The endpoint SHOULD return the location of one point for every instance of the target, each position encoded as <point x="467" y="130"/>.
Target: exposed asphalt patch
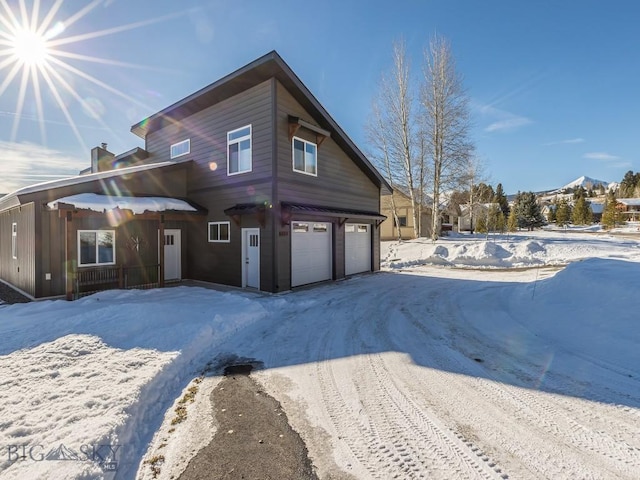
<point x="254" y="440"/>
<point x="10" y="295"/>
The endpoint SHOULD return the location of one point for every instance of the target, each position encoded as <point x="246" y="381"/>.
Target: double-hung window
<point x="219" y="232"/>
<point x="96" y="247"/>
<point x="239" y="150"/>
<point x="14" y="240"/>
<point x="305" y="157"/>
<point x="181" y="148"/>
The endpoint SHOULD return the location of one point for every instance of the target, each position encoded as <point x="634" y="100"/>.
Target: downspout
<point x="275" y="201"/>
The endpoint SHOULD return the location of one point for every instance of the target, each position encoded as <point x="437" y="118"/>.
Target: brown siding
<point x="51" y="249"/>
<point x="20" y="271"/>
<point x="207" y="131"/>
<point x="211" y="187"/>
<point x="221" y="262"/>
<point x="340" y="183"/>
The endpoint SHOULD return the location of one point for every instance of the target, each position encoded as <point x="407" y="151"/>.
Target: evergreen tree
<point x="501" y="223"/>
<point x="501" y="199"/>
<point x="579" y="216"/>
<point x="610" y="214"/>
<point x="493" y="217"/>
<point x="512" y="221"/>
<point x="483" y="193"/>
<point x="481" y="224"/>
<point x="563" y="213"/>
<point x="528" y="211"/>
<point x="628" y="185"/>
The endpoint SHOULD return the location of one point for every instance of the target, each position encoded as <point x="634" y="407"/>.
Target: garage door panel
<point x="357" y="248"/>
<point x="310" y="252"/>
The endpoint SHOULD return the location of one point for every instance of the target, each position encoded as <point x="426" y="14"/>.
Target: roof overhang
<point x="294" y="209"/>
<point x="257" y="209"/>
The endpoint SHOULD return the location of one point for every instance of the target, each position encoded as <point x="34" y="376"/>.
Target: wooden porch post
<point x="161" y="250"/>
<point x="68" y="254"/>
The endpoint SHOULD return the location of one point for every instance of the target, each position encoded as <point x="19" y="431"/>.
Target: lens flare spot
<point x="213" y="166"/>
<point x="93" y="108"/>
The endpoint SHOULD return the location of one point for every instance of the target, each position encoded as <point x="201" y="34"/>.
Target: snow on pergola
<point x="137" y="205"/>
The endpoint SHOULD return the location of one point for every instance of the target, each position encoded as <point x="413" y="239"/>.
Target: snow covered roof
<point x="629" y="201"/>
<point x="138" y="205"/>
<point x="10" y="199"/>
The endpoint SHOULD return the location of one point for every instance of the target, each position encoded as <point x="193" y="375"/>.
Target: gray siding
<point x="20" y="271"/>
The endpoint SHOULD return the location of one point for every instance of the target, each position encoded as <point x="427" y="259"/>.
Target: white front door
<point x="172" y="255"/>
<point x="251" y="257"/>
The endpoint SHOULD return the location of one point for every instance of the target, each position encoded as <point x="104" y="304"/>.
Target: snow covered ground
<point x="450" y="363"/>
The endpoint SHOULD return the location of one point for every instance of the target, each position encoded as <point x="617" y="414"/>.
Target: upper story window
<point x="239" y="150"/>
<point x="14" y="240"/>
<point x="96" y="247"/>
<point x="181" y="148"/>
<point x="305" y="157"/>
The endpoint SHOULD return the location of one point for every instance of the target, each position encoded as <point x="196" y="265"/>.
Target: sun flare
<point x="38" y="58"/>
<point x="30" y="47"/>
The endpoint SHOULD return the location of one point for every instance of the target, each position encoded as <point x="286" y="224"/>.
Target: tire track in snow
<point x="393" y="437"/>
<point x="575" y="441"/>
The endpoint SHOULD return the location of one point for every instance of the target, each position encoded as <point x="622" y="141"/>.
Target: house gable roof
<point x="268" y="66"/>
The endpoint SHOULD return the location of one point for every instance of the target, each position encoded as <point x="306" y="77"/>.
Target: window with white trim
<point x="96" y="247"/>
<point x="219" y="232"/>
<point x="305" y="157"/>
<point x="239" y="150"/>
<point x="181" y="148"/>
<point x="14" y="240"/>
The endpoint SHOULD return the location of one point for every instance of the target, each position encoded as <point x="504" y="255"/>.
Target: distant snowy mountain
<point x="585" y="182"/>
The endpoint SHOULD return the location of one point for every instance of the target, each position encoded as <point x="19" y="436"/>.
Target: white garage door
<point x="357" y="248"/>
<point x="310" y="252"/>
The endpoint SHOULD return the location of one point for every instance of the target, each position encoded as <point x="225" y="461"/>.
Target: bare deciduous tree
<point x="377" y="134"/>
<point x="446" y="120"/>
<point x="392" y="132"/>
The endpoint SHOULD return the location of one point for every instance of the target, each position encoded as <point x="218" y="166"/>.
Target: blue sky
<point x="553" y="85"/>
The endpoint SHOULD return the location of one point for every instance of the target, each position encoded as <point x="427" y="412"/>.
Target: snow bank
<point x="102" y="371"/>
<point x="531" y="249"/>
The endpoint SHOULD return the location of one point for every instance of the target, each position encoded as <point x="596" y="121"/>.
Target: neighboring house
<point x="630" y="208"/>
<point x="247" y="182"/>
<point x="389" y="230"/>
<point x="479" y="210"/>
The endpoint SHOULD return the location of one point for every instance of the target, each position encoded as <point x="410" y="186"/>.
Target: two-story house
<point x="247" y="182"/>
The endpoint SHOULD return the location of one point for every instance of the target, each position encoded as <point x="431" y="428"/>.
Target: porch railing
<point x="95" y="279"/>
